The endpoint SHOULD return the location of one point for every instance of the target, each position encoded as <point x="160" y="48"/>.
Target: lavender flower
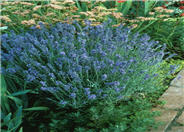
<point x="11" y="70"/>
<point x="87" y="91"/>
<point x="117" y="89"/>
<point x="104" y="77"/>
<point x="30" y="78"/>
<point x="50" y="89"/>
<point x="116" y="83"/>
<point x="62" y="53"/>
<point x="58" y="83"/>
<point x="63" y="102"/>
<point x="52" y="76"/>
<point x="43" y="83"/>
<point x="147" y="76"/>
<point x="73" y="95"/>
<point x="92" y="97"/>
<point x="172" y="68"/>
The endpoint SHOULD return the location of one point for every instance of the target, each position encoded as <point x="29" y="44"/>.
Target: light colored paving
<point x="166" y="116"/>
<point x="174" y="98"/>
<point x="178" y="124"/>
<point x="177" y="129"/>
<point x="179" y="80"/>
<point x="181" y="119"/>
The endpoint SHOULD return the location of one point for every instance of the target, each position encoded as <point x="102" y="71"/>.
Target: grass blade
<point x="127" y="6"/>
<point x="15" y="99"/>
<point x="36" y="108"/>
<point x="4" y="99"/>
<point x="20" y="93"/>
<point x="78" y="5"/>
<point x="148" y="4"/>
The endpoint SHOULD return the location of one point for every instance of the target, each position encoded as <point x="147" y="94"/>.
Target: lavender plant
<point x="76" y="67"/>
<point x="79" y="66"/>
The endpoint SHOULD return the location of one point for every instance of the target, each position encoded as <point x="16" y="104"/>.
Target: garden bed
<point x="100" y="69"/>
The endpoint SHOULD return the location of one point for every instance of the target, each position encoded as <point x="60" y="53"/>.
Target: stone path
<point x="172" y="113"/>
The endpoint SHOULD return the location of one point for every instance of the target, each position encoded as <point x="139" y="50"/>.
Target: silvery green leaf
<point x="4" y="28"/>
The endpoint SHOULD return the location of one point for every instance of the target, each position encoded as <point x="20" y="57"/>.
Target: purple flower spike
<point x="147" y="76"/>
<point x="73" y="95"/>
<point x="104" y="77"/>
<point x="63" y="102"/>
<point x="62" y="53"/>
<point x="92" y="97"/>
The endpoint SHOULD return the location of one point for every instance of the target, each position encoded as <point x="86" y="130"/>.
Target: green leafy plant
<point x="12" y="123"/>
<point x="14" y="105"/>
<point x="107" y="116"/>
<point x="132" y="9"/>
<point x="11" y="120"/>
<point x="168" y="31"/>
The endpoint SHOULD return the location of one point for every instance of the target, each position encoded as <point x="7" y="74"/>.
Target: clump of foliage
<point x="168" y="31"/>
<point x="86" y="76"/>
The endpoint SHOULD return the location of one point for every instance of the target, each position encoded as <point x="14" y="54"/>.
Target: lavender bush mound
<point x="79" y="65"/>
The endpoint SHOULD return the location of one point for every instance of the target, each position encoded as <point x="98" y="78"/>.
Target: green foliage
<point x="4" y="98"/>
<point x="36" y="108"/>
<point x="135" y="8"/>
<point x="11" y="123"/>
<point x="132" y="116"/>
<point x="174" y="5"/>
<point x="126" y="7"/>
<point x="148" y="5"/>
<point x="113" y="110"/>
<point x="170" y="32"/>
<point x="165" y="80"/>
<point x="11" y="120"/>
<point x="14" y="104"/>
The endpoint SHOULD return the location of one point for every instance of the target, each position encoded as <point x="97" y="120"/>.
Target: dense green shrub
<point x="91" y="78"/>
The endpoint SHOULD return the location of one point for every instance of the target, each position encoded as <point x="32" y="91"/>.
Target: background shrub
<point x="168" y="31"/>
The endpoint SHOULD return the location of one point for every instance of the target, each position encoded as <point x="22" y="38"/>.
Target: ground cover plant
<point x="84" y="76"/>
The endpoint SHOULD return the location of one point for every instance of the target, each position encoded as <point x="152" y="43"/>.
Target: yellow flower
<point x="161" y="16"/>
<point x="36" y="16"/>
<point x="29" y="22"/>
<point x="5" y="18"/>
<point x="57" y="7"/>
<point x="95" y="23"/>
<point x="26" y="3"/>
<point x="92" y="19"/>
<point x="36" y="8"/>
<point x="50" y="14"/>
<point x="116" y="25"/>
<point x="76" y="16"/>
<point x="168" y="10"/>
<point x="117" y="14"/>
